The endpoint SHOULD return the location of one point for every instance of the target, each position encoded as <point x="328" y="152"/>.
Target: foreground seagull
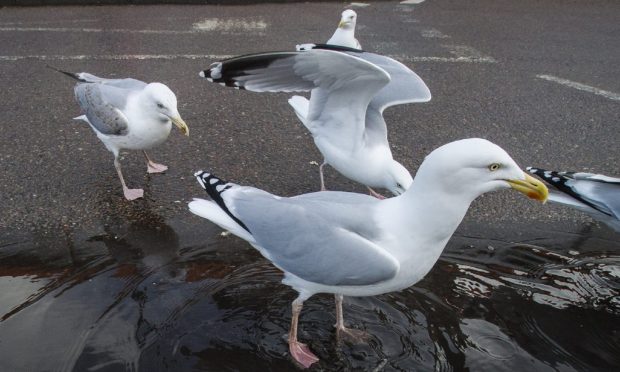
<point x="595" y="194"/>
<point x="127" y="114"/>
<point x="350" y="90"/>
<point x="353" y="244"/>
<point x="345" y="33"/>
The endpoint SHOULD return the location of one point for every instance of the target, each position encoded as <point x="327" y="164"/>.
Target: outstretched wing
<point x="342" y="85"/>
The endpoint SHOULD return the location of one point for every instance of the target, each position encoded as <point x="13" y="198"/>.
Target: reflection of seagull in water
<point x="356" y="245"/>
<point x="127" y="114"/>
<point x="596" y="194"/>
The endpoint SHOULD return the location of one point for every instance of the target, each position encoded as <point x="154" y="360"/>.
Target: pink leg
<point x="321" y="175"/>
<point x="353" y="335"/>
<point x="153" y="167"/>
<point x="375" y="194"/>
<point x="130" y="194"/>
<point x="299" y="351"/>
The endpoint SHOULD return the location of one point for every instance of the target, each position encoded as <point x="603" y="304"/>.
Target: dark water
<point x="138" y="297"/>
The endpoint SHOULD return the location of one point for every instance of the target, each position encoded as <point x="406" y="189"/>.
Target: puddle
<point x="146" y="295"/>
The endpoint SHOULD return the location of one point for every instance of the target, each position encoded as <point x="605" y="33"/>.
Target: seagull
<point x="345" y="33"/>
<point x="595" y="194"/>
<point x="350" y="89"/>
<point x="127" y="114"/>
<point x="353" y="244"/>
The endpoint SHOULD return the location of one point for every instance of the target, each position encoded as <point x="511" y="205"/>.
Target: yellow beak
<point x="531" y="187"/>
<point x="342" y="24"/>
<point x="181" y="125"/>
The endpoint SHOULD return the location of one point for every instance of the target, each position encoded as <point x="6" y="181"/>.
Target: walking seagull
<point x="353" y="244"/>
<point x="127" y="114"/>
<point x="350" y="89"/>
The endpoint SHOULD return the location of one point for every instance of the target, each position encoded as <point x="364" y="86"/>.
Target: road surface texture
<point x="538" y="78"/>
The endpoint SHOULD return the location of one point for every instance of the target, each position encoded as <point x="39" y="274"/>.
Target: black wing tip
<point x="70" y="74"/>
<point x="333" y="47"/>
<point x="215" y="186"/>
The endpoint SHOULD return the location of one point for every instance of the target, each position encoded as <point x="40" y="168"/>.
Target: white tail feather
<point x="301" y="106"/>
<point x="212" y="212"/>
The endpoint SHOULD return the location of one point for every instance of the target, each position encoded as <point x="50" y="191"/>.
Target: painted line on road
<point x="53" y="57"/>
<point x="583" y="87"/>
<point x="227" y="25"/>
<point x="200" y="27"/>
<point x="117" y="57"/>
<point x="446" y="59"/>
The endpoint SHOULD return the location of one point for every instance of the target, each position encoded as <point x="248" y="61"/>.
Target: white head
<point x="162" y="101"/>
<point x="348" y="19"/>
<point x="397" y="178"/>
<point x="471" y="167"/>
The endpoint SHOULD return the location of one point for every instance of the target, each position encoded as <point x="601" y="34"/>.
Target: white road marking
<point x="407" y="2"/>
<point x="467" y="52"/>
<point x="117" y="57"/>
<point x="483" y="59"/>
<point x="359" y="5"/>
<point x="112" y="30"/>
<point x="208" y="25"/>
<point x="228" y="25"/>
<point x="56" y="57"/>
<point x="583" y="87"/>
<point x="433" y="33"/>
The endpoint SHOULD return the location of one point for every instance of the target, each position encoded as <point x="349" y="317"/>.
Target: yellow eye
<point x="493" y="167"/>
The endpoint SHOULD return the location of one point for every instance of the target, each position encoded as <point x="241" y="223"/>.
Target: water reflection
<point x="131" y="297"/>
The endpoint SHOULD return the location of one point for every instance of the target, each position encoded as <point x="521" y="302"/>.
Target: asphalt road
<point x="484" y="61"/>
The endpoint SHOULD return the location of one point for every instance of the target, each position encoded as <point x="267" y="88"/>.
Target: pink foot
<point x="302" y="354"/>
<point x="155" y="168"/>
<point x="132" y="194"/>
<point x="376" y="194"/>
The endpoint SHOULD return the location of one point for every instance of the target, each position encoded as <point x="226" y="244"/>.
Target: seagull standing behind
<point x="345" y="33"/>
<point x="595" y="194"/>
<point x="353" y="244"/>
<point x="127" y="114"/>
<point x="349" y="91"/>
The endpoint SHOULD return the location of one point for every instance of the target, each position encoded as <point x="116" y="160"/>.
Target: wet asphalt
<point x="480" y="60"/>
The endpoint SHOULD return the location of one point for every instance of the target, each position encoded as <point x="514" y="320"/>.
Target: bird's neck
<point x="343" y="36"/>
<point x="423" y="219"/>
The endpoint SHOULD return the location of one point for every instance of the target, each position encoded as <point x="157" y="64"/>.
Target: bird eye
<point x="399" y="186"/>
<point x="160" y="105"/>
<point x="493" y="167"/>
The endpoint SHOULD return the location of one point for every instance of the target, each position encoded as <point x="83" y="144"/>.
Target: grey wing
<point x="317" y="240"/>
<point x="126" y="83"/>
<point x="404" y="87"/>
<point x="605" y="196"/>
<point x="102" y="106"/>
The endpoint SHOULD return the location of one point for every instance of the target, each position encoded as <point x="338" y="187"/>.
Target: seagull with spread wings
<point x="350" y="89"/>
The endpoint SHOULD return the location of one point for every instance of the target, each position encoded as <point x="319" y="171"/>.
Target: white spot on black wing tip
<point x="213" y="180"/>
<point x="201" y="74"/>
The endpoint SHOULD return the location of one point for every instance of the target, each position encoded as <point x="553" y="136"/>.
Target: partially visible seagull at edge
<point x="350" y="89"/>
<point x="127" y="114"/>
<point x="595" y="194"/>
<point x="353" y="244"/>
